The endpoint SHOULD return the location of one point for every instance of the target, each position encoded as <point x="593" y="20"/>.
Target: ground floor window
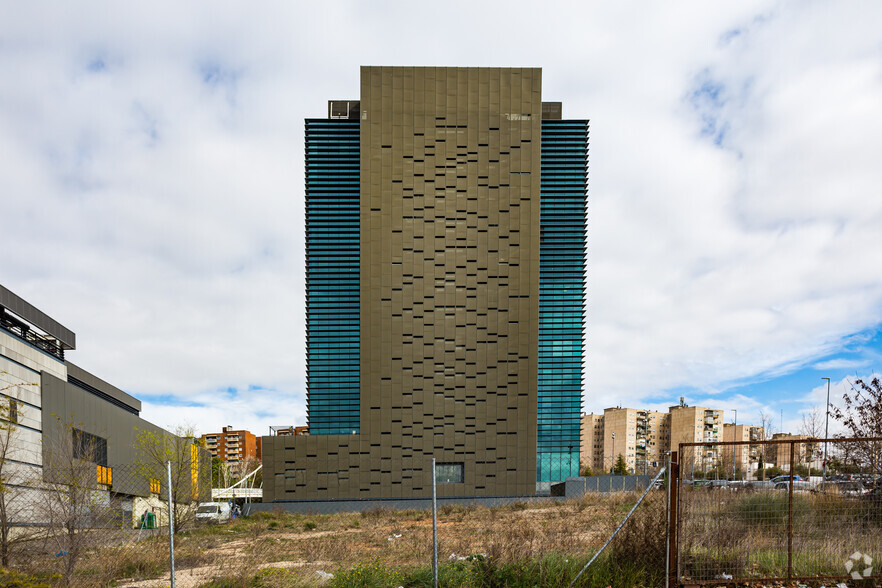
<point x="449" y="473"/>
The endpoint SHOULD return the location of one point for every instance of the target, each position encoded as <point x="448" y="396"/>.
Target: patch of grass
<point x="552" y="571"/>
<point x="266" y="578"/>
<point x="135" y="561"/>
<point x="765" y="510"/>
<point x="372" y="574"/>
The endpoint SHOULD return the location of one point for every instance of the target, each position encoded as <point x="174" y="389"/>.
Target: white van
<point x="213" y="512"/>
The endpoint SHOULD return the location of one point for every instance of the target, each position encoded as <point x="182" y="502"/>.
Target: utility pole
<point x="736" y="449"/>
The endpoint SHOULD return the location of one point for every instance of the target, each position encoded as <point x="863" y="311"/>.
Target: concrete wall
<point x="20" y="368"/>
<point x="335" y="506"/>
<point x="576" y="487"/>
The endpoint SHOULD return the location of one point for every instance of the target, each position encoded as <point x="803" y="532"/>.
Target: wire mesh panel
<point x="80" y="523"/>
<point x="783" y="519"/>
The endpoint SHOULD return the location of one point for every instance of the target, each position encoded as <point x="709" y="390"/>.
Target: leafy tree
<point x="861" y="416"/>
<point x="806" y="471"/>
<point x="771" y="472"/>
<point x="190" y="478"/>
<point x="217" y="472"/>
<point x="621" y="468"/>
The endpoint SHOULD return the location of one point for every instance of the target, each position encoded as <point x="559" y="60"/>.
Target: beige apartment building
<point x="591" y="446"/>
<point x="809" y="453"/>
<point x="744" y="458"/>
<point x="642" y="438"/>
<point x="696" y="424"/>
<point x="639" y="436"/>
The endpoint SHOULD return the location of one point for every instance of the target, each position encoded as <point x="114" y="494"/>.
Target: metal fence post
<point x="674" y="489"/>
<point x="434" y="527"/>
<point x="668" y="522"/>
<point x="790" y="515"/>
<point x="171" y="526"/>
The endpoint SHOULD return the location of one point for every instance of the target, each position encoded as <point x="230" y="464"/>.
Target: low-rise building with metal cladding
<point x="53" y="406"/>
<point x="445" y="241"/>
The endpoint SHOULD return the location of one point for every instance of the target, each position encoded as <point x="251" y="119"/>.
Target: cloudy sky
<point x="151" y="187"/>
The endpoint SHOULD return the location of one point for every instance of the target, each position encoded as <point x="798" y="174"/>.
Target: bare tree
<point x="768" y="453"/>
<point x="812" y="426"/>
<point x="812" y="423"/>
<point x="862" y="418"/>
<point x="190" y="474"/>
<point x="72" y="501"/>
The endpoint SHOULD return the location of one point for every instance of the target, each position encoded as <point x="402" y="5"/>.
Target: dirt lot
<point x="306" y="545"/>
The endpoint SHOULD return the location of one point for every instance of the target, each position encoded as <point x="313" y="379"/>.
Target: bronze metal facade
<point x="449" y="300"/>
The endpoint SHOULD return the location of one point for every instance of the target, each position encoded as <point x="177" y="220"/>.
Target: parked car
<point x="213" y="512"/>
<point x="718" y="485"/>
<point x="762" y="485"/>
<point x="777" y="479"/>
<point x="842" y="488"/>
<point x="874" y="495"/>
<point x="798" y="485"/>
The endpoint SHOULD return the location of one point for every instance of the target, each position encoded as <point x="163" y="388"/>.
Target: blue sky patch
<point x="96" y="65"/>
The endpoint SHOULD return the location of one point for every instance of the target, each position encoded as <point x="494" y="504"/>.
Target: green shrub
<point x="368" y="575"/>
<point x="274" y="578"/>
<point x="769" y="510"/>
<point x="13" y="579"/>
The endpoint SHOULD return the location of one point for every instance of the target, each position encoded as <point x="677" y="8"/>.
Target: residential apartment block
<point x="743" y="458"/>
<point x="643" y="437"/>
<point x="639" y="436"/>
<point x="445" y="240"/>
<point x="233" y="447"/>
<point x="804" y="453"/>
<point x="697" y="424"/>
<point x="591" y="453"/>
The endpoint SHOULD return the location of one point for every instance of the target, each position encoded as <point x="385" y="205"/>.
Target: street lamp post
<point x="826" y="431"/>
<point x="736" y="449"/>
<point x="613" y="468"/>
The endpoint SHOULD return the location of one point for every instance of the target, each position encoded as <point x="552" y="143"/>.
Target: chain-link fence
<point x="84" y="534"/>
<point x="799" y="509"/>
<point x="94" y="526"/>
<point x="74" y="522"/>
<point x="639" y="464"/>
<point x="545" y="541"/>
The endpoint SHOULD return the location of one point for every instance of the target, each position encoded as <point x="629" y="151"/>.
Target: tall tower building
<point x="445" y="241"/>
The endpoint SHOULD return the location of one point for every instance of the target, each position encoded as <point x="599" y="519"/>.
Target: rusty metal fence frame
<point x="676" y="515"/>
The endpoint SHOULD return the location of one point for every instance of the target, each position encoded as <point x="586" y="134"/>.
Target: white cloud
<point x="153" y="168"/>
<point x="841" y="364"/>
